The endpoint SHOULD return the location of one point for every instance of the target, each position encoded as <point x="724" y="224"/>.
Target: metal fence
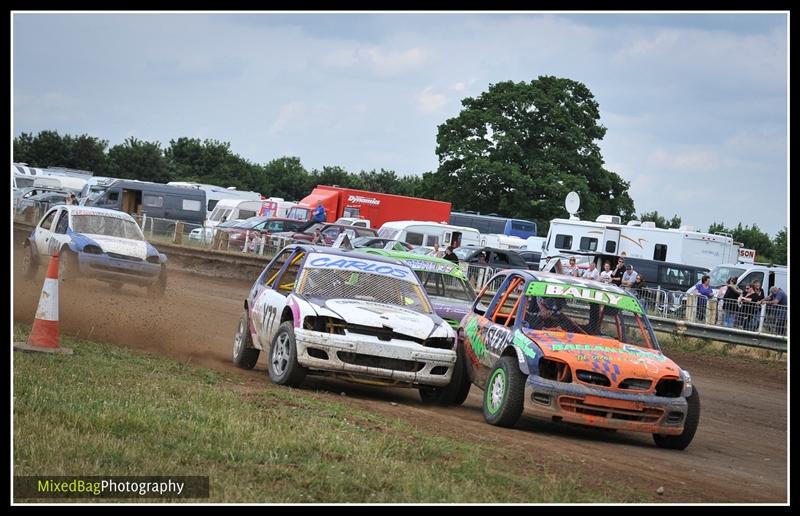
<point x="730" y="313"/>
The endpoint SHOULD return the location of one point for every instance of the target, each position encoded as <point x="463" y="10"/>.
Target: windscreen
<point x="95" y="224"/>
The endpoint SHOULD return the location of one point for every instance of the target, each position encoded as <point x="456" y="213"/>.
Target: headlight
<point x="687" y="383"/>
<point x="92" y="249"/>
<point x="154" y="259"/>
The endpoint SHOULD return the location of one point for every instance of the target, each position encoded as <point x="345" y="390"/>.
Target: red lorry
<point x="373" y="206"/>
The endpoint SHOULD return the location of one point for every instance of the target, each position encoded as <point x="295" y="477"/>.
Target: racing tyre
<point x="504" y="396"/>
<point x="158" y="288"/>
<point x="244" y="354"/>
<point x="682" y="440"/>
<point x="453" y="393"/>
<point x="283" y="368"/>
<point x="29" y="264"/>
<point x="67" y="265"/>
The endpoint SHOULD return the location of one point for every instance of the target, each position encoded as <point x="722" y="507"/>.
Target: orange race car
<point x="575" y="350"/>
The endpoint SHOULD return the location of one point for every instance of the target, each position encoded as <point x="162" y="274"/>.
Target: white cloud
<point x="459" y="86"/>
<point x="379" y="60"/>
<point x="430" y="102"/>
<point x="287" y="115"/>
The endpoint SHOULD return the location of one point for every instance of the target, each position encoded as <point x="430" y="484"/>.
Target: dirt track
<point x="739" y="453"/>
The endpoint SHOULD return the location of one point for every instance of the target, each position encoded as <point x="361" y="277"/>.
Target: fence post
<point x="762" y="311"/>
<point x="178" y="238"/>
<point x="261" y="249"/>
<point x="246" y="240"/>
<point x="223" y="245"/>
<point x="144" y="223"/>
<point x="691" y="308"/>
<point x="711" y="310"/>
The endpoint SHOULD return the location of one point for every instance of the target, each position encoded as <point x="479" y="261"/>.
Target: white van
<point x="498" y="241"/>
<point x="768" y="275"/>
<point x="59" y="182"/>
<point x="228" y="209"/>
<point x="429" y="233"/>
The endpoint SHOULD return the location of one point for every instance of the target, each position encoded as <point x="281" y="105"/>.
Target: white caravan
<point x="639" y="240"/>
<point x="429" y="233"/>
<point x="215" y="193"/>
<point x="228" y="209"/>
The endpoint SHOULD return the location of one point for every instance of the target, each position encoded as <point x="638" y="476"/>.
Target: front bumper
<point x="397" y="361"/>
<point x="106" y="268"/>
<point x="586" y="405"/>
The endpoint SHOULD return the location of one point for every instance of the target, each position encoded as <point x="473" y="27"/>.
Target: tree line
<point x="515" y="150"/>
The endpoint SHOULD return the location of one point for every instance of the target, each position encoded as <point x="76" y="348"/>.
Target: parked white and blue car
<point x="95" y="243"/>
<point x="323" y="311"/>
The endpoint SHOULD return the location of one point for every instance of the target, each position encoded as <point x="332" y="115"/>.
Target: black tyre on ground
<point x="67" y="265"/>
<point x="453" y="393"/>
<point x="283" y="368"/>
<point x="244" y="354"/>
<point x="158" y="288"/>
<point x="29" y="263"/>
<point x="504" y="395"/>
<point x="682" y="440"/>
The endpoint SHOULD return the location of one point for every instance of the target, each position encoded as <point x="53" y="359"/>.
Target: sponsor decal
<point x="422" y="265"/>
<point x="593" y="295"/>
<point x="498" y="337"/>
<point x="524" y="344"/>
<point x="363" y="200"/>
<point x="474" y="337"/>
<point x="625" y="350"/>
<point x="337" y="262"/>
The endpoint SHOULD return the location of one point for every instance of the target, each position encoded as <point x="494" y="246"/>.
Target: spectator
<point x="629" y="277"/>
<point x="318" y="238"/>
<point x="437" y="252"/>
<point x="776" y="309"/>
<point x="319" y="213"/>
<point x="748" y="303"/>
<point x="619" y="271"/>
<point x="450" y="255"/>
<point x="729" y="304"/>
<point x="606" y="275"/>
<point x="640" y="287"/>
<point x="704" y="292"/>
<point x="571" y="269"/>
<point x="482" y="258"/>
<point x="71" y="199"/>
<point x="592" y="273"/>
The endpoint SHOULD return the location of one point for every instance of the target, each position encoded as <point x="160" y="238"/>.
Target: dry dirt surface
<point x="738" y="455"/>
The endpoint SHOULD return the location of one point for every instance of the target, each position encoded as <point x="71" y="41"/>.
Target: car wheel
<point x="453" y="393"/>
<point x="283" y="368"/>
<point x="244" y="354"/>
<point x="29" y="263"/>
<point x="682" y="440"/>
<point x="67" y="265"/>
<point x="504" y="396"/>
<point x="158" y="288"/>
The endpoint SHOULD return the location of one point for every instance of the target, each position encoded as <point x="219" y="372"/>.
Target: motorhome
<point x="156" y="200"/>
<point x="639" y="240"/>
<point x="429" y="233"/>
<point x="215" y="193"/>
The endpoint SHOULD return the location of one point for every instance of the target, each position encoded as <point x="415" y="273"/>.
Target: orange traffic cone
<point x="44" y="335"/>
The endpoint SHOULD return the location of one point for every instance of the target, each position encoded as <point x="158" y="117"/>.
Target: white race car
<point x="318" y="310"/>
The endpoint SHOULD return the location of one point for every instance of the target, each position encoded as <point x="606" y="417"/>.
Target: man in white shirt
<point x="607" y="273"/>
<point x="592" y="273"/>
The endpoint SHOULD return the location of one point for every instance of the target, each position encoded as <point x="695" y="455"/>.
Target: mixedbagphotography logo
<point x="33" y="486"/>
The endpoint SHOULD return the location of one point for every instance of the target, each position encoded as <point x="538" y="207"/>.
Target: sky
<point x="695" y="105"/>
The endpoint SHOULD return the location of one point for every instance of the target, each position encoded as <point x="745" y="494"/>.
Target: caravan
<point x="637" y="239"/>
<point x="214" y="194"/>
<point x="429" y="233"/>
<point x="156" y="200"/>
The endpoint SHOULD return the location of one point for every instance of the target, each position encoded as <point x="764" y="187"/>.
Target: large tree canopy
<point x="519" y="148"/>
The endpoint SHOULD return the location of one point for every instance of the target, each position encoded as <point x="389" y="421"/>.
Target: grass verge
<point x="113" y="411"/>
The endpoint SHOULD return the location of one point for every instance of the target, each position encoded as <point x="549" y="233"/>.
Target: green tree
<point x="751" y="237"/>
<point x="88" y="153"/>
<point x="284" y="177"/>
<point x="779" y="247"/>
<point x="23" y="149"/>
<point x="137" y="159"/>
<point x="519" y="148"/>
<point x="661" y="222"/>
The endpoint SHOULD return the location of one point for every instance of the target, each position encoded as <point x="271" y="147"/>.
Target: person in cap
<point x="629" y="276"/>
